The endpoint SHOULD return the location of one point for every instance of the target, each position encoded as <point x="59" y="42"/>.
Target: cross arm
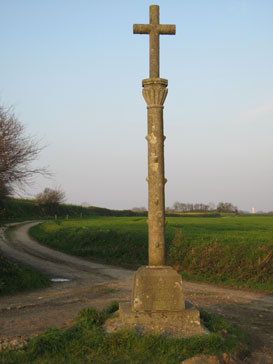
<point x="142" y="28"/>
<point x="166" y="29"/>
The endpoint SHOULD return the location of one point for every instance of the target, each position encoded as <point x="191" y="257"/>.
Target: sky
<point x="72" y="70"/>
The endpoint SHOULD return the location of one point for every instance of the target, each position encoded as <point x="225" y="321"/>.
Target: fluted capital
<point x="155" y="91"/>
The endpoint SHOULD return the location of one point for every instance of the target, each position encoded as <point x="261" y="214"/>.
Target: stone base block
<point x="157" y="289"/>
<point x="182" y="323"/>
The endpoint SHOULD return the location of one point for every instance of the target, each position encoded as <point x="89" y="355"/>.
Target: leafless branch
<point x="17" y="152"/>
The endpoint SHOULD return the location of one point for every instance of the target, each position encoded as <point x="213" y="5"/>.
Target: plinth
<point x="158" y="305"/>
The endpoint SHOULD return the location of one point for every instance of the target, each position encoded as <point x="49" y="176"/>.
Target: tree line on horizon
<point x="201" y="207"/>
<point x="196" y="207"/>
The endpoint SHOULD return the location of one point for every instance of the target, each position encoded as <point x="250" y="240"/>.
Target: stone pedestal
<point x="158" y="305"/>
<point x="157" y="289"/>
<point x="180" y="324"/>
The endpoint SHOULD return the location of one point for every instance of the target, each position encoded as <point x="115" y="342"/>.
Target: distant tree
<point x="178" y="207"/>
<point x="188" y="207"/>
<point x="85" y="204"/>
<point x="196" y="207"/>
<point x="17" y="151"/>
<point x="50" y="197"/>
<point x="226" y="207"/>
<point x="211" y="206"/>
<point x="139" y="209"/>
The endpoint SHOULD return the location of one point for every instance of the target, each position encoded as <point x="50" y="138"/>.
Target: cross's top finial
<point x="154" y="29"/>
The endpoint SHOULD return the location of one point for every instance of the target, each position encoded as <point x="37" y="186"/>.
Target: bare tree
<point x="50" y="196"/>
<point x="226" y="207"/>
<point x="17" y="151"/>
<point x="211" y="206"/>
<point x="188" y="207"/>
<point x="178" y="207"/>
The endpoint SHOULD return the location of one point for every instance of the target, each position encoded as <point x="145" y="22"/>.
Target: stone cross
<point x="154" y="29"/>
<point x="154" y="93"/>
<point x="157" y="303"/>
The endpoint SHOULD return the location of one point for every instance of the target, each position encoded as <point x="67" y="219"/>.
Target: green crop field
<point x="234" y="250"/>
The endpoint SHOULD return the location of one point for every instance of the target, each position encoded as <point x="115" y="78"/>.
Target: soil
<point x="24" y="315"/>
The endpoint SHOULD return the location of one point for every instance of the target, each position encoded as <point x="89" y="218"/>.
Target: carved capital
<point x="155" y="91"/>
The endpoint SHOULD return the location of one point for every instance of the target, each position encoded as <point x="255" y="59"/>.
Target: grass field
<point x="233" y="250"/>
<point x="86" y="342"/>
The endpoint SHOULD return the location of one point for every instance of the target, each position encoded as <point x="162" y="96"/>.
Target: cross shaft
<point x="154" y="29"/>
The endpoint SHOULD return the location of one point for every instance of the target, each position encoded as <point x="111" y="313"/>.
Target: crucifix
<point x="155" y="92"/>
<point x="154" y="29"/>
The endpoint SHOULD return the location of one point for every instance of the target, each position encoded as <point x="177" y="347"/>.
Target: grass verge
<point x="86" y="342"/>
<point x="15" y="278"/>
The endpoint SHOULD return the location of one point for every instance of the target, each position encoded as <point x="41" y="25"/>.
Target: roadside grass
<point x="15" y="278"/>
<point x="86" y="342"/>
<point x="236" y="251"/>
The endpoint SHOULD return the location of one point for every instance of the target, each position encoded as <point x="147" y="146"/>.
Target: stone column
<point x="157" y="303"/>
<point x="154" y="93"/>
<point x="156" y="287"/>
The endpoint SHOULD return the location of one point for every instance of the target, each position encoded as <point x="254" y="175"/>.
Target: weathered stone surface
<point x="157" y="302"/>
<point x="157" y="289"/>
<point x="154" y="29"/>
<point x="182" y="323"/>
<point x="155" y="92"/>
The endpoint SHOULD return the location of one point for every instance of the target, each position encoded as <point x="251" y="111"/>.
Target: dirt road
<point x="93" y="284"/>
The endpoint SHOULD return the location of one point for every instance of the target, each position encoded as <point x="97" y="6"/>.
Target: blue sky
<point x="73" y="71"/>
